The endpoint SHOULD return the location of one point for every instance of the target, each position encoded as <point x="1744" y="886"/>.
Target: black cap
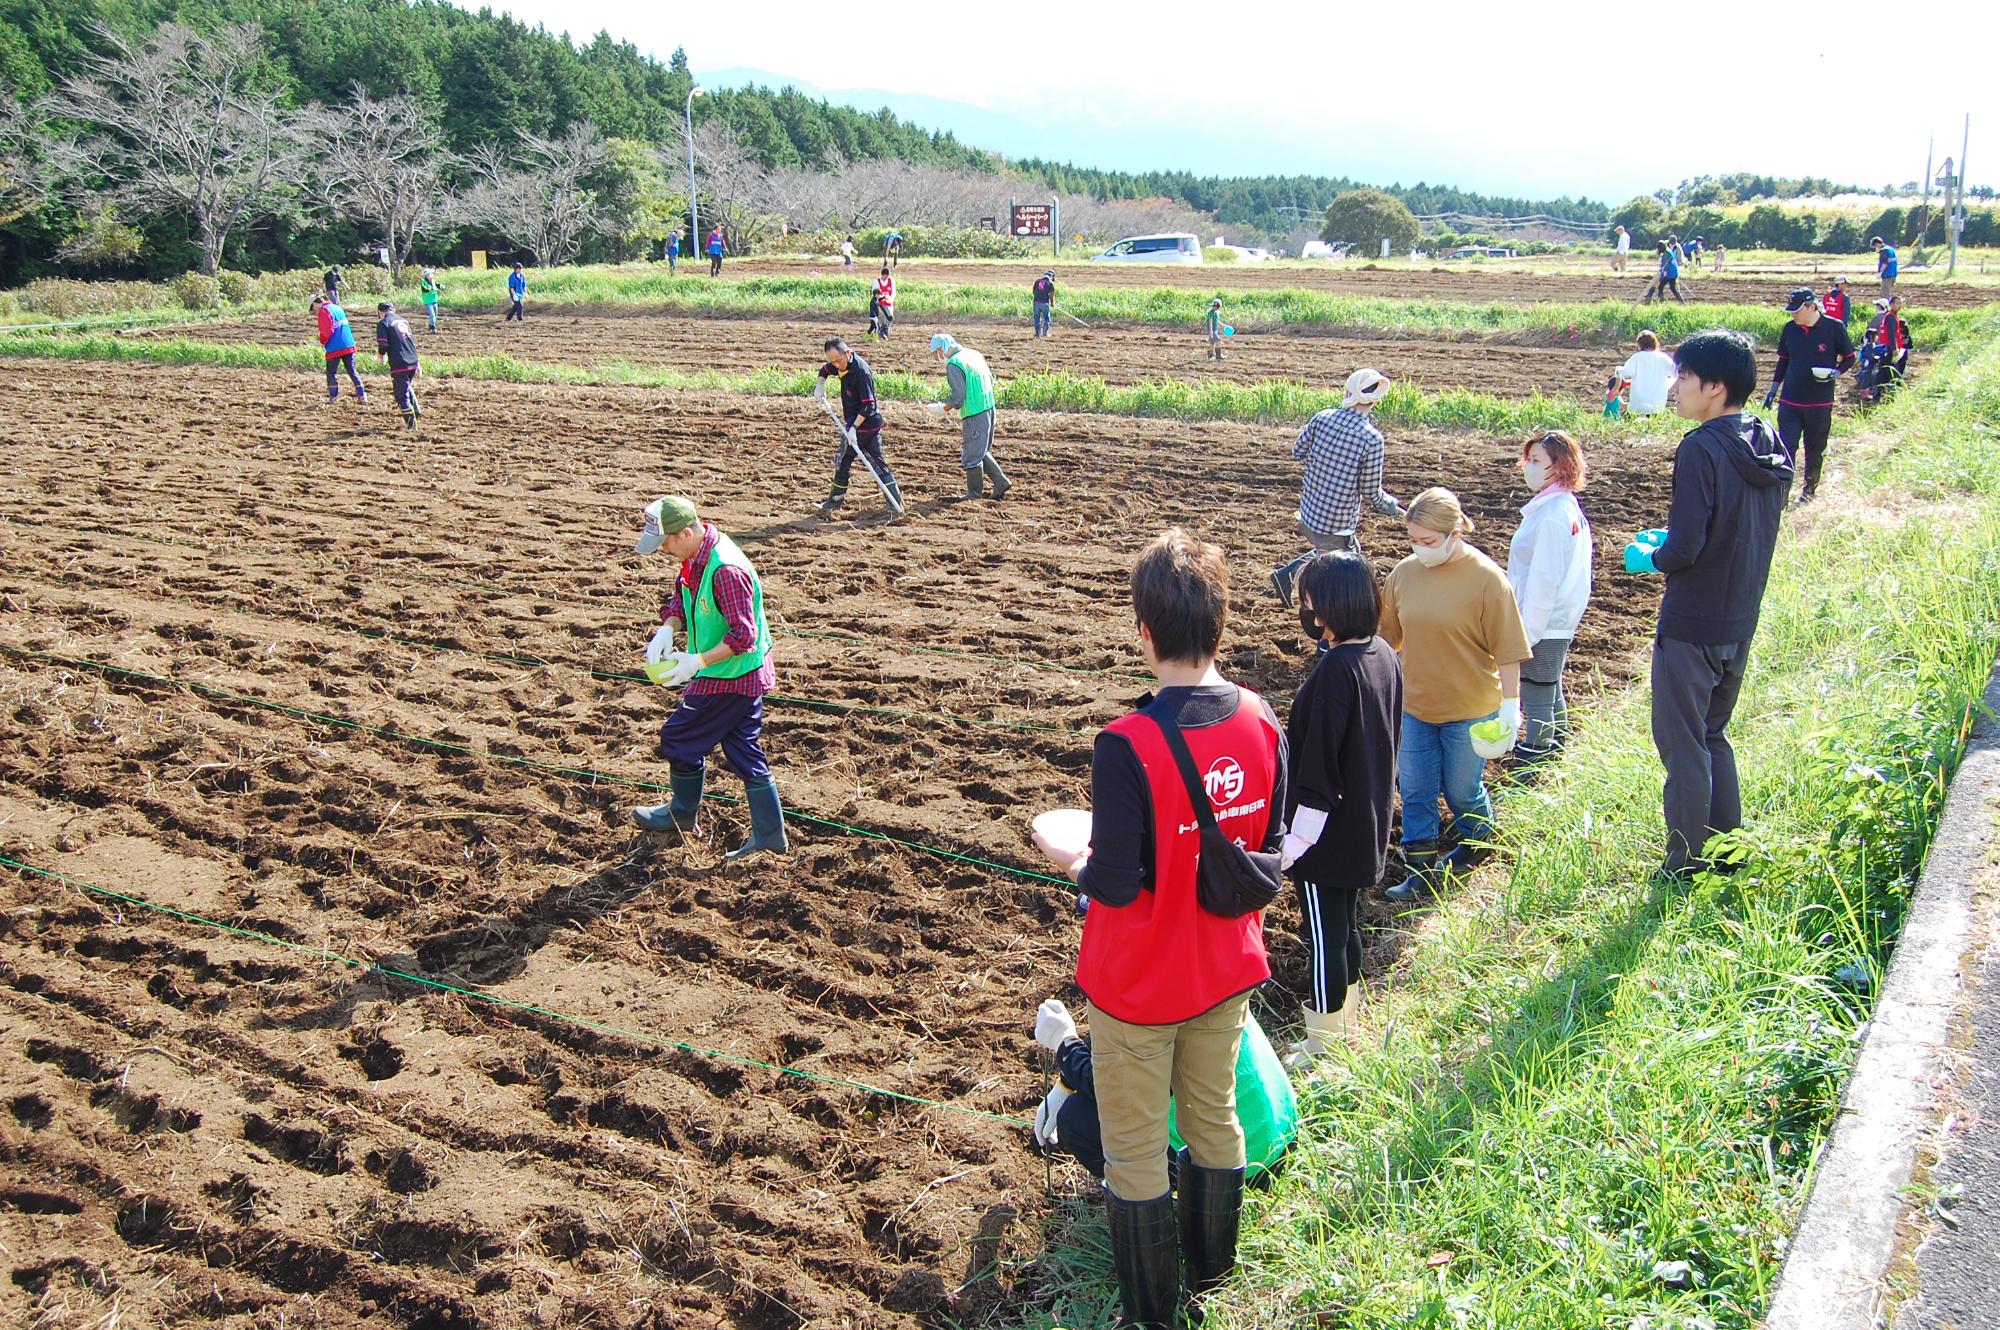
<point x="1801" y="297"/>
<point x="384" y="305"/>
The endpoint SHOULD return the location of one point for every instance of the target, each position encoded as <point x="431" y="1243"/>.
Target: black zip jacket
<point x="1731" y="479"/>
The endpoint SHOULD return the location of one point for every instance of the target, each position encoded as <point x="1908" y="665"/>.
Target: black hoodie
<point x="1731" y="479"/>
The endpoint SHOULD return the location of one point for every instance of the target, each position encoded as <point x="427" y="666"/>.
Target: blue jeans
<point x="1439" y="759"/>
<point x="431" y="313"/>
<point x="1041" y="319"/>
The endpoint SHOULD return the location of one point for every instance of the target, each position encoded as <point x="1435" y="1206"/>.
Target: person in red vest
<point x="882" y="305"/>
<point x="1835" y="304"/>
<point x="1888" y="331"/>
<point x="1168" y="981"/>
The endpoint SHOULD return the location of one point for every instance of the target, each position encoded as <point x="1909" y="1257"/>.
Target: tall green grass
<point x="1269" y="401"/>
<point x="1594" y="1100"/>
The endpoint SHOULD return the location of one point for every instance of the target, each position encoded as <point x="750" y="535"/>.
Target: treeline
<point x="1805" y="230"/>
<point x="1720" y="191"/>
<point x="1278" y="204"/>
<point x="489" y="81"/>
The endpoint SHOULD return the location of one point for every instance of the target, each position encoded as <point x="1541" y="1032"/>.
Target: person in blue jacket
<point x="674" y="254"/>
<point x="1885" y="263"/>
<point x="517" y="295"/>
<point x="337" y="336"/>
<point x="717" y="247"/>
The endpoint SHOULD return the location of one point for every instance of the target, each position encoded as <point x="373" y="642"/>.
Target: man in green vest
<point x="971" y="395"/>
<point x="718" y="603"/>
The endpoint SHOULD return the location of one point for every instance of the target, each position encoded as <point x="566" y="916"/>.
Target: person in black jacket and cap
<point x="394" y="340"/>
<point x="1732" y="476"/>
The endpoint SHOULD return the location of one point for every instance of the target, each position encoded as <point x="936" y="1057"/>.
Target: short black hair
<point x="1724" y="356"/>
<point x="834" y="344"/>
<point x="1341" y="587"/>
<point x="1180" y="592"/>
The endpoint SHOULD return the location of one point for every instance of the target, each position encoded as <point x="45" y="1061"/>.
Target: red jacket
<point x="885" y="291"/>
<point x="1163" y="959"/>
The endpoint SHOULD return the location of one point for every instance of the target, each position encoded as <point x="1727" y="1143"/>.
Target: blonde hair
<point x="1437" y="509"/>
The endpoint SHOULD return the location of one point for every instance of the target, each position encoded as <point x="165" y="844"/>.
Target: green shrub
<point x="1218" y="254"/>
<point x="196" y="290"/>
<point x="63" y="298"/>
<point x="234" y="286"/>
<point x="941" y="242"/>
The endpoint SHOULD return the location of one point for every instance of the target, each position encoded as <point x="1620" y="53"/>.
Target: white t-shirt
<point x="1651" y="374"/>
<point x="1624" y="242"/>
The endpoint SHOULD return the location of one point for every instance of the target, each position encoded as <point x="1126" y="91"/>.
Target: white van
<point x="1176" y="247"/>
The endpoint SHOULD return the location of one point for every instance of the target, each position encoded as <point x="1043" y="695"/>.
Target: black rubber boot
<point x="1147" y="1256"/>
<point x="975" y="483"/>
<point x="991" y="468"/>
<point x="767" y="823"/>
<point x="1211" y="1206"/>
<point x="681" y="809"/>
<point x="833" y="500"/>
<point x="1422" y="882"/>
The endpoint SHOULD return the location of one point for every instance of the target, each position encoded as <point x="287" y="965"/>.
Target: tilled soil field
<point x="1486" y="283"/>
<point x="396" y="742"/>
<point x="596" y="335"/>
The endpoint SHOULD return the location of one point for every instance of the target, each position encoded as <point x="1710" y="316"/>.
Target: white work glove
<point x="1302" y="835"/>
<point x="662" y="644"/>
<point x="819" y="389"/>
<point x="1045" y="1115"/>
<point x="682" y="666"/>
<point x="1510" y="715"/>
<point x="1053" y="1024"/>
<point x="935" y="408"/>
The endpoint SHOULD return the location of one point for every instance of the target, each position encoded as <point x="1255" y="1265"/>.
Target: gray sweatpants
<point x="1542" y="699"/>
<point x="1694" y="695"/>
<point x="975" y="439"/>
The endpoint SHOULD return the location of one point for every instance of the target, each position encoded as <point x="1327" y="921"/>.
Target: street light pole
<point x="694" y="209"/>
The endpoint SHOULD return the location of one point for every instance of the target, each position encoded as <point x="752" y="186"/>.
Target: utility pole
<point x="1958" y="211"/>
<point x="1917" y="259"/>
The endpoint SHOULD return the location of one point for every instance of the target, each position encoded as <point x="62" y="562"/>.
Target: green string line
<point x="525" y="591"/>
<point x="538" y="663"/>
<point x="498" y="1000"/>
<point x="464" y="750"/>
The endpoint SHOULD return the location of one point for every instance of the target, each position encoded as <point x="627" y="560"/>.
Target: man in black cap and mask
<point x="1812" y="351"/>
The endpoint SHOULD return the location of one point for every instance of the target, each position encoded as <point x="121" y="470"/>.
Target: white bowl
<point x="1065" y="828"/>
<point x="1822" y="373"/>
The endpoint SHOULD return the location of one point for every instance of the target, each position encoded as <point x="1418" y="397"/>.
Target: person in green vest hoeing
<point x="970" y="383"/>
<point x="725" y="668"/>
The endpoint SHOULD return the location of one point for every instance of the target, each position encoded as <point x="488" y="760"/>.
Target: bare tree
<point x="541" y="199"/>
<point x="24" y="179"/>
<point x="177" y="126"/>
<point x="386" y="168"/>
<point x="734" y="186"/>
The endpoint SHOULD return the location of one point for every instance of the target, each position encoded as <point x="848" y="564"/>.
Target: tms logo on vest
<point x="1224" y="781"/>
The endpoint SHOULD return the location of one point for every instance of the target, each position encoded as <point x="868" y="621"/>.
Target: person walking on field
<point x="1548" y="566"/>
<point x="969" y="387"/>
<point x="1168" y="978"/>
<point x="847" y="252"/>
<point x="1623" y="250"/>
<point x="337" y="336"/>
<point x="1342" y="449"/>
<point x="717" y="247"/>
<point x="395" y="342"/>
<point x="674" y="254"/>
<point x="862" y="416"/>
<point x="1731" y="476"/>
<point x="1885" y="264"/>
<point x="1450" y="612"/>
<point x="517" y="296"/>
<point x="1834" y="304"/>
<point x="333" y="281"/>
<point x="1669" y="278"/>
<point x="716" y="607"/>
<point x="1342" y="736"/>
<point x="1649" y="373"/>
<point x="882" y="305"/>
<point x="429" y="290"/>
<point x="1044" y="300"/>
<point x="1214" y="322"/>
<point x="1812" y="351"/>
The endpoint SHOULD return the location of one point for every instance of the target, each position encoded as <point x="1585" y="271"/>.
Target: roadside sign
<point x="1033" y="219"/>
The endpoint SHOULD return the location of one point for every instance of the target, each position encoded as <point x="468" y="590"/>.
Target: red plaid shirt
<point x="733" y="598"/>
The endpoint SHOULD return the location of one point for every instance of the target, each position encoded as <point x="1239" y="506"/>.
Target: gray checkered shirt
<point x="1342" y="451"/>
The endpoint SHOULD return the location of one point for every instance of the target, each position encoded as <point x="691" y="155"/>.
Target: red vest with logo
<point x="1835" y="305"/>
<point x="885" y="290"/>
<point x="1163" y="959"/>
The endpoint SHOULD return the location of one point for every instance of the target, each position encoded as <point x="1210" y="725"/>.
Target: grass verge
<point x="1274" y="400"/>
<point x="1594" y="1101"/>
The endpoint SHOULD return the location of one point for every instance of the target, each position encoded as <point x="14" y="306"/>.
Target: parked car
<point x="1319" y="249"/>
<point x="1174" y="247"/>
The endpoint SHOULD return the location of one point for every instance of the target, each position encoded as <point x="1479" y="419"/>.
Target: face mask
<point x="1430" y="556"/>
<point x="1309" y="624"/>
<point x="1536" y="474"/>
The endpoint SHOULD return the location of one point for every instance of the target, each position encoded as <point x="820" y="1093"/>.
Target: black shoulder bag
<point x="1229" y="880"/>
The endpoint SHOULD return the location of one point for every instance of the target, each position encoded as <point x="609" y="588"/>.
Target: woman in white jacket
<point x="1548" y="565"/>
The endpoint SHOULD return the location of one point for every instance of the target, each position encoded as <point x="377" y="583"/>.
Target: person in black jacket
<point x="394" y="340"/>
<point x="1731" y="479"/>
<point x="1812" y="350"/>
<point x="863" y="418"/>
<point x="1342" y="735"/>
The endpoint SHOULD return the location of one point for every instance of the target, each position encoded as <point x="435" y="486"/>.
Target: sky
<point x="1557" y="98"/>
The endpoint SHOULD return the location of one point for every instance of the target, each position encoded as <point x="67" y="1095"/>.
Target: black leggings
<point x="1333" y="940"/>
<point x="1805" y="429"/>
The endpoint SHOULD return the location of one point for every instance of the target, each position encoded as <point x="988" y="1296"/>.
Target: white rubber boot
<point x="1324" y="1029"/>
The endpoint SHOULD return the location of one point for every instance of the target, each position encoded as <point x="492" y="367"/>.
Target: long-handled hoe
<point x="819" y="391"/>
<point x="1066" y="314"/>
